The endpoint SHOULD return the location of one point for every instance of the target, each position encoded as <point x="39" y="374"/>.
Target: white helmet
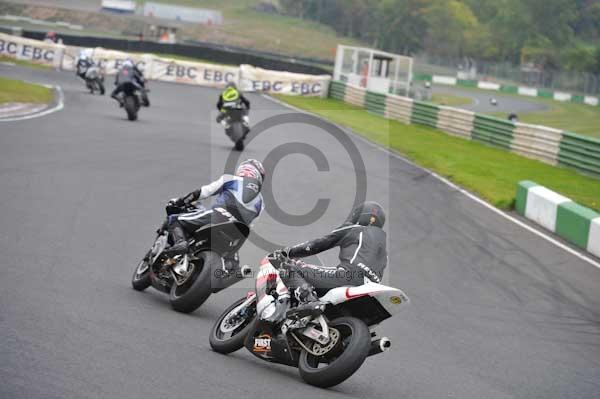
<point x="128" y="63"/>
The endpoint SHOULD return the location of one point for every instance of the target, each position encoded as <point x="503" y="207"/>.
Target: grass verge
<point x="17" y="91"/>
<point x="576" y="118"/>
<point x="450" y="100"/>
<point x="491" y="173"/>
<point x="4" y="58"/>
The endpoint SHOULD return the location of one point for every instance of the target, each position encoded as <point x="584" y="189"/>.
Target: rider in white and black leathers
<point x="363" y="255"/>
<point x="238" y="194"/>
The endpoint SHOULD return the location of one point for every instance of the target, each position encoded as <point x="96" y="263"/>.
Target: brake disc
<point x="320" y="350"/>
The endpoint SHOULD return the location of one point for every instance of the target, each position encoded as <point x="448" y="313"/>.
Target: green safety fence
<point x="545" y="93"/>
<point x="509" y="89"/>
<point x="337" y="90"/>
<point x="375" y="102"/>
<point x="580" y="152"/>
<point x="424" y="114"/>
<point x="466" y="83"/>
<point x="577" y="98"/>
<point x="492" y="131"/>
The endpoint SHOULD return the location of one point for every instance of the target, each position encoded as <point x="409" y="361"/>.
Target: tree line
<point x="551" y="34"/>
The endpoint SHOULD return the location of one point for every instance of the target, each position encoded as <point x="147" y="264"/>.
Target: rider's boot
<point x="180" y="244"/>
<point x="118" y="99"/>
<point x="308" y="302"/>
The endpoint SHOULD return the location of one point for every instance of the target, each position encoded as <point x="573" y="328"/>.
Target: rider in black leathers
<point x="231" y="97"/>
<point x="363" y="255"/>
<point x="129" y="73"/>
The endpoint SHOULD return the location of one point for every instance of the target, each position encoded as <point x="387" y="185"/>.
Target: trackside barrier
<point x="545" y="144"/>
<point x="575" y="223"/>
<point x="424" y="114"/>
<point x="456" y="122"/>
<point x="248" y="77"/>
<point x="580" y="152"/>
<point x="355" y="95"/>
<point x="492" y="131"/>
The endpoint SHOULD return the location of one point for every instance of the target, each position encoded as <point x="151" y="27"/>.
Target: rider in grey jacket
<point x="237" y="195"/>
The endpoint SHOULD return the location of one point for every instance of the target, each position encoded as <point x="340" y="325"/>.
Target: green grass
<point x="577" y="118"/>
<point x="491" y="173"/>
<point x="244" y="27"/>
<point x="4" y="58"/>
<point x="450" y="100"/>
<point x="17" y="91"/>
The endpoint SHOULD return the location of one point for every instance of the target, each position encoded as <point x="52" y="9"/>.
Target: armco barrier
<point x="545" y="144"/>
<point x="573" y="222"/>
<point x="580" y="152"/>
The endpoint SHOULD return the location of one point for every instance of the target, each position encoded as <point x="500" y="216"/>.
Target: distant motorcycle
<point x="327" y="343"/>
<point x="94" y="80"/>
<point x="133" y="97"/>
<point x="236" y="126"/>
<point x="189" y="279"/>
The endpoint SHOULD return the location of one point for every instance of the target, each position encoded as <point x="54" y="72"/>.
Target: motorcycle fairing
<point x="388" y="297"/>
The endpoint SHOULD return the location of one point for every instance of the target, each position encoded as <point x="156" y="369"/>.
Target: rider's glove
<point x="177" y="202"/>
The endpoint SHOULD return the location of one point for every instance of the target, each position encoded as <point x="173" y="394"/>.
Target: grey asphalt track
<point x="496" y="312"/>
<point x="481" y="100"/>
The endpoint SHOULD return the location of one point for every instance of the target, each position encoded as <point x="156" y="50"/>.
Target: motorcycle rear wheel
<point x="196" y="289"/>
<point x="131" y="108"/>
<point x="218" y="339"/>
<point x="346" y="358"/>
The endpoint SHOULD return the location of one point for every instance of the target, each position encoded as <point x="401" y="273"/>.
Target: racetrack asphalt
<point x="496" y="311"/>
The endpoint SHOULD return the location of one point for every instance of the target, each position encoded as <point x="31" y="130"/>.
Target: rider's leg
<point x="179" y="238"/>
<point x="115" y="94"/>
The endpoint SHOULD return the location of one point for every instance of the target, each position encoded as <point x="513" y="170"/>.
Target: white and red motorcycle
<point x="328" y="342"/>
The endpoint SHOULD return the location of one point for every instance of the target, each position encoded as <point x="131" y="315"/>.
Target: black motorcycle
<point x="327" y="342"/>
<point x="133" y="97"/>
<point x="235" y="126"/>
<point x="189" y="279"/>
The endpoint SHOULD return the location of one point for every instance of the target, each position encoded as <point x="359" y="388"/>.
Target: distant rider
<point x="238" y="195"/>
<point x="231" y="98"/>
<point x="84" y="63"/>
<point x="363" y="256"/>
<point x="129" y="73"/>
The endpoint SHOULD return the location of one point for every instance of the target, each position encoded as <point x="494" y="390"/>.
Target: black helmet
<point x="369" y="213"/>
<point x="231" y="85"/>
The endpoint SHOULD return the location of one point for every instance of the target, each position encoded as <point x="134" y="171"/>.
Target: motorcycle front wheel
<point x="338" y="364"/>
<point x="141" y="275"/>
<point x="229" y="331"/>
<point x="196" y="289"/>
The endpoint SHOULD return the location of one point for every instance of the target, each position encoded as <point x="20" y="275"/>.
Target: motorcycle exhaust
<point x="380" y="345"/>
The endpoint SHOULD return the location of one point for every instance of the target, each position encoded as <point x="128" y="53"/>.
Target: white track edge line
<point x="60" y="105"/>
<point x="454" y="186"/>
